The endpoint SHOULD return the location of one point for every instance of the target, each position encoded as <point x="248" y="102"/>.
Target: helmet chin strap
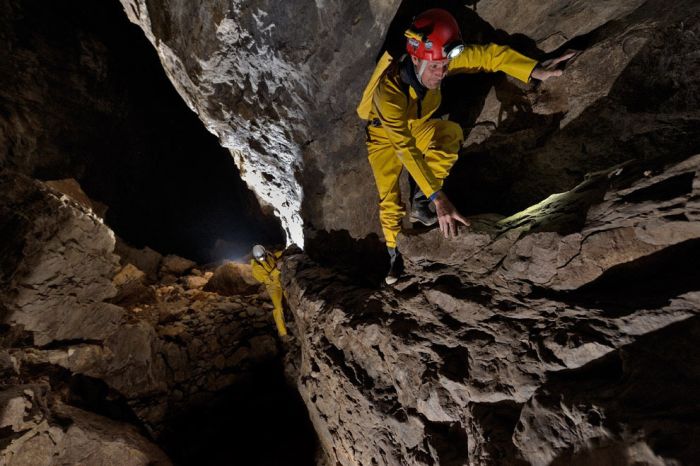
<point x="420" y="70"/>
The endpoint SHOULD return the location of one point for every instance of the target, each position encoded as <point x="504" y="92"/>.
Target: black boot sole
<point x="429" y="223"/>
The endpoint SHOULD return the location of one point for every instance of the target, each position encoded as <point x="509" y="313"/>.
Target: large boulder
<point x="232" y="278"/>
<point x="278" y="85"/>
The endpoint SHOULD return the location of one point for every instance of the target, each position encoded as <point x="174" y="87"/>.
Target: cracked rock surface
<point x="280" y="93"/>
<point x="560" y="329"/>
<point x="524" y="340"/>
<point x="554" y="331"/>
<point x="67" y="435"/>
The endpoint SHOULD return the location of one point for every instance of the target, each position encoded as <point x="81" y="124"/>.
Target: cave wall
<point x="92" y="351"/>
<point x="278" y="83"/>
<point x="630" y="95"/>
<point x="543" y="336"/>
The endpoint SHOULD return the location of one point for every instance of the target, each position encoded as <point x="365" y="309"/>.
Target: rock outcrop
<point x="559" y="329"/>
<point x="522" y="341"/>
<point x="63" y="434"/>
<point x="280" y="93"/>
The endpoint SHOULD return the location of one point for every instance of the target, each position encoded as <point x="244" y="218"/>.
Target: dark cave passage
<point x="259" y="421"/>
<point x="83" y="95"/>
<point x="101" y="110"/>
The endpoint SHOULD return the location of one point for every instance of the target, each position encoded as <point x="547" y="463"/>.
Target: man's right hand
<point x="447" y="215"/>
<point x="546" y="69"/>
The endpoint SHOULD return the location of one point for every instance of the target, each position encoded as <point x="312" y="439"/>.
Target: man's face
<point x="433" y="71"/>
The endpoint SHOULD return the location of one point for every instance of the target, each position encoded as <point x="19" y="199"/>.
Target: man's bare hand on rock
<point x="448" y="216"/>
<point x="546" y="69"/>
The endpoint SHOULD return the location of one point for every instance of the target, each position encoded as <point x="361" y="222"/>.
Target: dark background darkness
<point x="260" y="421"/>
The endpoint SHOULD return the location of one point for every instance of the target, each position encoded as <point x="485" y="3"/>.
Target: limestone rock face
<point x="58" y="259"/>
<point x="630" y="94"/>
<point x="175" y="265"/>
<point x="83" y="96"/>
<point x="72" y="189"/>
<point x="232" y="278"/>
<point x="523" y="341"/>
<point x="145" y="259"/>
<point x="550" y="23"/>
<point x="561" y="328"/>
<point x="520" y="341"/>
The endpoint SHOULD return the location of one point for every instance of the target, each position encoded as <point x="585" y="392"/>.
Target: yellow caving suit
<point x="268" y="273"/>
<point x="401" y="134"/>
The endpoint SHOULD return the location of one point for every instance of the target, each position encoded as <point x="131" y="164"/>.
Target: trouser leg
<point x="387" y="167"/>
<point x="440" y="141"/>
<point x="275" y="293"/>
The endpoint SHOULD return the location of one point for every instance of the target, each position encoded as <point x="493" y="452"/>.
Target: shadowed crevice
<point x="450" y="441"/>
<point x="665" y="190"/>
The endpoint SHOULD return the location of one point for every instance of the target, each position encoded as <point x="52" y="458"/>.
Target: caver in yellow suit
<point x="400" y="131"/>
<point x="266" y="271"/>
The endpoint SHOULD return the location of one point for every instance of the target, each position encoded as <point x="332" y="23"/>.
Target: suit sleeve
<point x="493" y="58"/>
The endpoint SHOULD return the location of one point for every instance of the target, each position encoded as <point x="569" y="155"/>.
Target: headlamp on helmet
<point x="452" y="50"/>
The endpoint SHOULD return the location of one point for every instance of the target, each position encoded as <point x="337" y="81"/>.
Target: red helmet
<point x="434" y="35"/>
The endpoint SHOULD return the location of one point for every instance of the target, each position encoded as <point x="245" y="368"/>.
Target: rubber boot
<point x="395" y="266"/>
<point x="421" y="211"/>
